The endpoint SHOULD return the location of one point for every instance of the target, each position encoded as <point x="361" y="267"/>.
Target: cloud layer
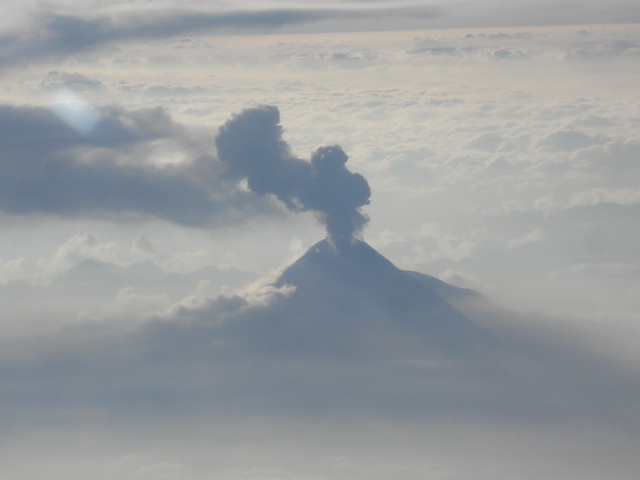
<point x="274" y="364"/>
<point x="503" y="159"/>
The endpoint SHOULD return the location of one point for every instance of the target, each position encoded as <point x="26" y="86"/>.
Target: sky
<point x="493" y="145"/>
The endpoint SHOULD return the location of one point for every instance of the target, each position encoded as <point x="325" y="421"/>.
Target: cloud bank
<point x="48" y="167"/>
<point x="304" y="366"/>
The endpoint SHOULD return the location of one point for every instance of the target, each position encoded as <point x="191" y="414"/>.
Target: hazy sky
<point x="500" y="144"/>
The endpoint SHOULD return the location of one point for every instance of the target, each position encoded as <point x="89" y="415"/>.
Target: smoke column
<point x="251" y="147"/>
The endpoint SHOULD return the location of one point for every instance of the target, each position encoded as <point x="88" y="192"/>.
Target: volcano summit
<point x="353" y="290"/>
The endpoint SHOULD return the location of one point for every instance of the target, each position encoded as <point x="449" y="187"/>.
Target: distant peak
<point x="339" y="261"/>
<point x="353" y="249"/>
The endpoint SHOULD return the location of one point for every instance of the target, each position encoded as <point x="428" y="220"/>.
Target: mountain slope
<point x="356" y="292"/>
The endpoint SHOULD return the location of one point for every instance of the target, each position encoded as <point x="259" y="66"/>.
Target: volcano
<point x="356" y="278"/>
<point x="342" y="297"/>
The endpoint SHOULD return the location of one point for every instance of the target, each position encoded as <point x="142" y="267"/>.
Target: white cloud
<point x="187" y="261"/>
<point x="459" y="279"/>
<point x="620" y="196"/>
<point x="13" y="270"/>
<point x="130" y="303"/>
<point x="531" y="237"/>
<point x="433" y="242"/>
<point x="85" y="245"/>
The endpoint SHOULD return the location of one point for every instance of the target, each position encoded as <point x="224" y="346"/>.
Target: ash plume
<point x="250" y="145"/>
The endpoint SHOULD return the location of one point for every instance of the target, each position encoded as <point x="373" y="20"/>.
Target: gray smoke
<point x="250" y="144"/>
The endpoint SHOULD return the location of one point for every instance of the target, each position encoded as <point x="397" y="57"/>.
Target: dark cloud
<point x="46" y="166"/>
<point x="251" y="146"/>
<point x="55" y="162"/>
<point x="59" y="35"/>
<point x="54" y="36"/>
